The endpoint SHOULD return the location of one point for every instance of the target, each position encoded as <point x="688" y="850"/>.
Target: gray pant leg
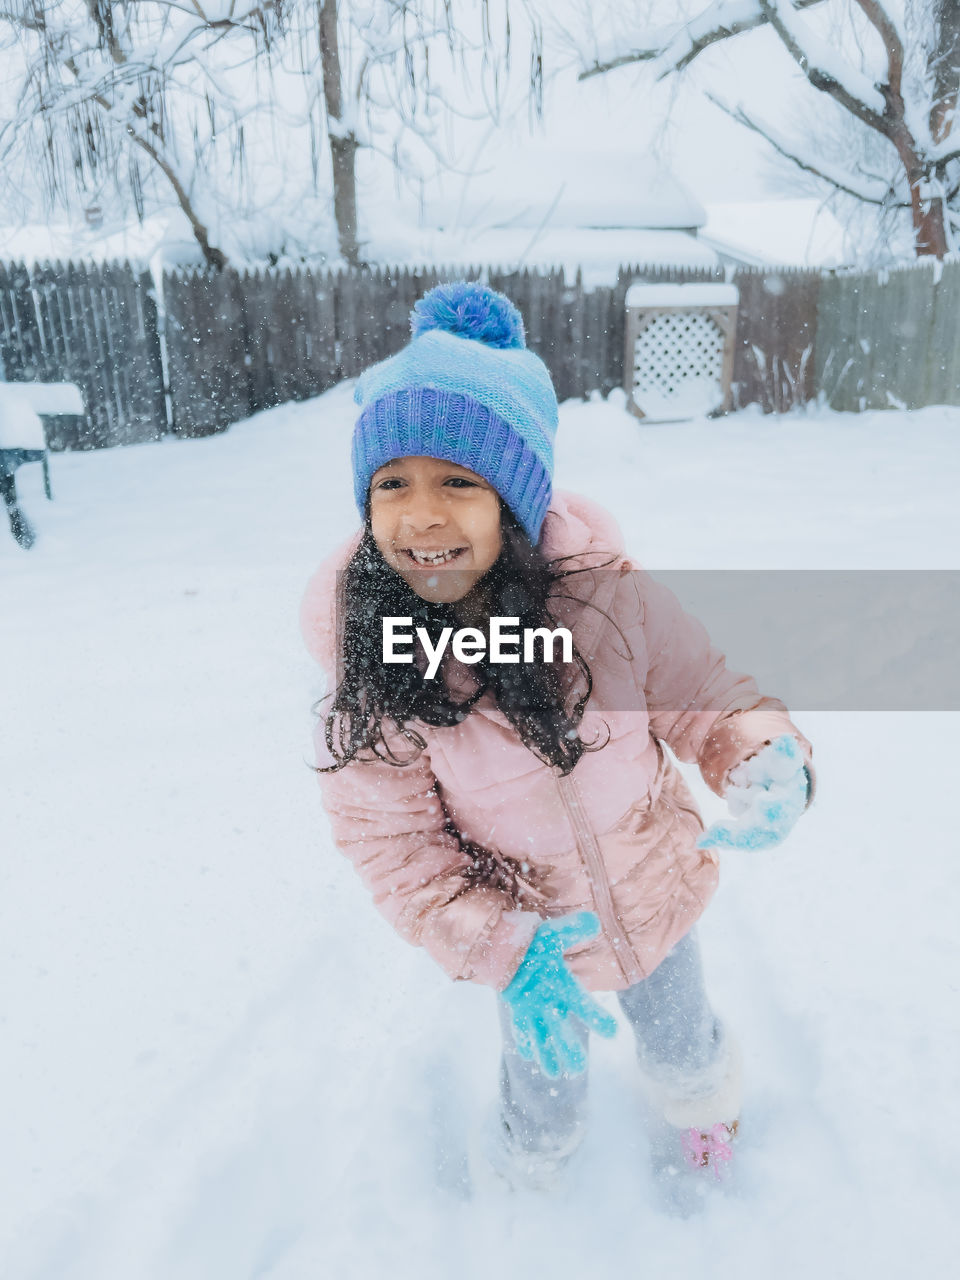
<point x="680" y="1041"/>
<point x="540" y="1113"/>
<point x="681" y="1045"/>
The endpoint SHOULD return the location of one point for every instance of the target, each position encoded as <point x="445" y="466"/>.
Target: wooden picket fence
<point x="95" y="325"/>
<point x="890" y="339"/>
<point x="223" y="346"/>
<point x="240" y="343"/>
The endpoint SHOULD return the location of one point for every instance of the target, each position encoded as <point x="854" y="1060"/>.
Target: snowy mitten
<point x="544" y="994"/>
<point x="768" y="793"/>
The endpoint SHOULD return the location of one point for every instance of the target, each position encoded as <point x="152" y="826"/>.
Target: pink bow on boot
<point x="712" y="1148"/>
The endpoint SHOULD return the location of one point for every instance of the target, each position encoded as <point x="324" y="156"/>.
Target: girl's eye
<point x="393" y="482"/>
<point x="461" y="482"/>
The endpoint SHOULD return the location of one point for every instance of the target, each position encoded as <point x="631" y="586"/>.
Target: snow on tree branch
<point x="869" y="190"/>
<point x="824" y="68"/>
<point x="676" y="47"/>
<point x="892" y="42"/>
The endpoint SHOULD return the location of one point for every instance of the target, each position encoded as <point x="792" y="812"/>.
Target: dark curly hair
<point x="544" y="701"/>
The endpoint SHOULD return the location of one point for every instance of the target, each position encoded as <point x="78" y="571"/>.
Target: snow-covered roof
<point x="36" y="242"/>
<point x="799" y="232"/>
<point x="537" y="184"/>
<point x="596" y="252"/>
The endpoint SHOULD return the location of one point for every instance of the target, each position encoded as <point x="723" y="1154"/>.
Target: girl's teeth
<point x="433" y="557"/>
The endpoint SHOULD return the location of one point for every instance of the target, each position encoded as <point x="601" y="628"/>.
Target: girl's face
<point x="437" y="524"/>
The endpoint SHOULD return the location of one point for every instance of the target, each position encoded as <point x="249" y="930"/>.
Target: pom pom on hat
<point x="469" y="310"/>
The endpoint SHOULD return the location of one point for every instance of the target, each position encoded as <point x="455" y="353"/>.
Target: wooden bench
<point x="23" y="405"/>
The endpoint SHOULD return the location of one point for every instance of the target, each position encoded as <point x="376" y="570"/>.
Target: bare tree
<point x="145" y="83"/>
<point x="909" y="102"/>
<point x="123" y="101"/>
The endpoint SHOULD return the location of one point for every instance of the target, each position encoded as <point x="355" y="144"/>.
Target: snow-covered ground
<point x="219" y="1063"/>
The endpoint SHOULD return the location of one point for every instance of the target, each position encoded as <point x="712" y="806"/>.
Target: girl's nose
<point x="422" y="513"/>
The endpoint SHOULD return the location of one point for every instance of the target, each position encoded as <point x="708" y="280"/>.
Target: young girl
<point x="519" y="817"/>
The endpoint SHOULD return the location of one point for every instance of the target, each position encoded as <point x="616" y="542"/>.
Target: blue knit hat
<point x="467" y="390"/>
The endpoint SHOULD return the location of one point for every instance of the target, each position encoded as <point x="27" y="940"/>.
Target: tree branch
<point x="37" y="23"/>
<point x="944" y="63"/>
<point x="893" y="45"/>
<point x="719" y="21"/>
<point x="215" y="257"/>
<point x="627" y="59"/>
<point x="819" y="77"/>
<point x="102" y="19"/>
<point x="877" y="193"/>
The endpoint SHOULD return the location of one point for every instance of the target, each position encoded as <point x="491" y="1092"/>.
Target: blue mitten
<point x="768" y="794"/>
<point x="544" y="994"/>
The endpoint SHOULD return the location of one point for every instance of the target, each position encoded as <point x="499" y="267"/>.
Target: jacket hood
<point x="573" y="526"/>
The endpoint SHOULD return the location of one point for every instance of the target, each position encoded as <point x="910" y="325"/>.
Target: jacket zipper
<point x="600" y="886"/>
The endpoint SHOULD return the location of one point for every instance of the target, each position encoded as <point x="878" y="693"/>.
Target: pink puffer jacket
<point x="616" y="836"/>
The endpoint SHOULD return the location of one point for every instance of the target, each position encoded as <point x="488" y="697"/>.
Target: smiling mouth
<point x="430" y="559"/>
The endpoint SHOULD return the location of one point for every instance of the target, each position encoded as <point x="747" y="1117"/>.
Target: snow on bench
<point x="22" y="403"/>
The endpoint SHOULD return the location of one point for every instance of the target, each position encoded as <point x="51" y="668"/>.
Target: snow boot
<point x="692" y="1133"/>
<point x="690" y="1166"/>
<point x="527" y="1169"/>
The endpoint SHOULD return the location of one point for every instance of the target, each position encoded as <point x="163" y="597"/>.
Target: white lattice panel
<point x="678" y="364"/>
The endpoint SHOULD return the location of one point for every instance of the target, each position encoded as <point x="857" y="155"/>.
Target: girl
<point x="519" y="817"/>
